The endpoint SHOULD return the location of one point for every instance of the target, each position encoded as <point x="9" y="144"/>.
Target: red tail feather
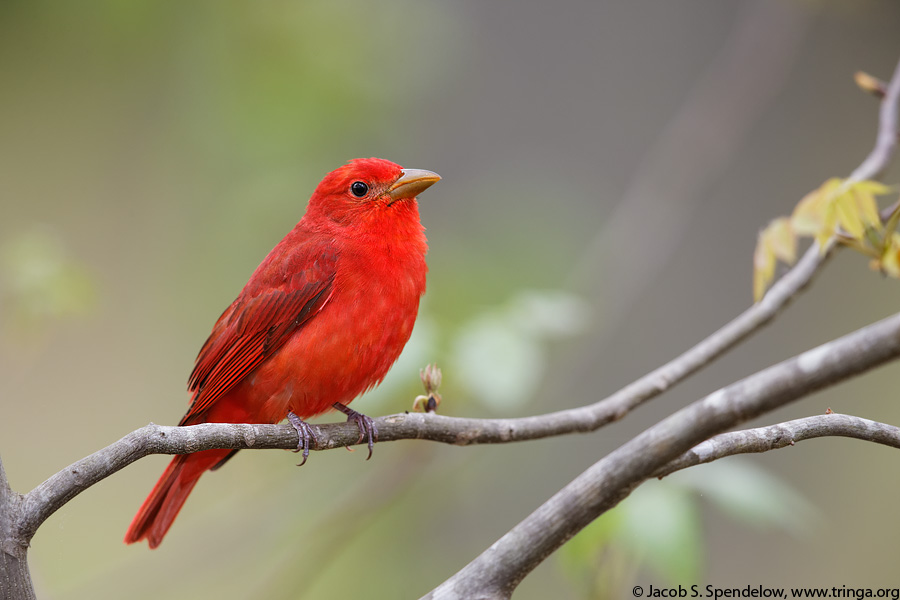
<point x="161" y="507"/>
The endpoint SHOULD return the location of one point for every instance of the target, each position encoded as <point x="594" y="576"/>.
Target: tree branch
<point x="734" y="90"/>
<point x="48" y="497"/>
<point x="499" y="569"/>
<point x="15" y="578"/>
<point x="780" y="435"/>
<point x="53" y="493"/>
<point x="875" y="164"/>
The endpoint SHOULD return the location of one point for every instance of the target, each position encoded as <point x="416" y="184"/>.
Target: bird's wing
<point x="276" y="302"/>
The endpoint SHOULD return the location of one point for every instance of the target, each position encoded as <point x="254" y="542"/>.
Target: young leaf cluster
<point x="840" y="209"/>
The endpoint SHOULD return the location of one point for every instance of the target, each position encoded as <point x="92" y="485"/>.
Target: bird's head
<point x="368" y="186"/>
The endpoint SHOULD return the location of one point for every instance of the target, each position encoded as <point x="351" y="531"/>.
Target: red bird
<point x="321" y="321"/>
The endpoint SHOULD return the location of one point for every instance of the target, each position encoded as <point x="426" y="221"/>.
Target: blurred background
<point x="607" y="166"/>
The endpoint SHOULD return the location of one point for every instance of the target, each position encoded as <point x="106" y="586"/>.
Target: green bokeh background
<point x="152" y="152"/>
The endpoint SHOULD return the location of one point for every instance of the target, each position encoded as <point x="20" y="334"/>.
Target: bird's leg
<point x="366" y="425"/>
<point x="305" y="432"/>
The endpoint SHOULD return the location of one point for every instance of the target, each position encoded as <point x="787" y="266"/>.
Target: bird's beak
<point x="411" y="183"/>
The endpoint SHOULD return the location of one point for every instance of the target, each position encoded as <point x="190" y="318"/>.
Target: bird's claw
<point x="305" y="432"/>
<point x="367" y="429"/>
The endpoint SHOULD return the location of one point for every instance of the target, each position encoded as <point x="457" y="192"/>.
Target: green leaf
<point x="550" y="313"/>
<point x="891" y="224"/>
<point x="41" y="282"/>
<point x="661" y="525"/>
<point x="750" y="494"/>
<point x="873" y="188"/>
<point x="889" y="262"/>
<point x="812" y="213"/>
<point x="763" y="267"/>
<point x="595" y="561"/>
<point x="781" y="240"/>
<point x="497" y="361"/>
<point x="866" y="205"/>
<point x="582" y="551"/>
<point x="809" y="214"/>
<point x="848" y="215"/>
<point x="500" y="355"/>
<point x="658" y="525"/>
<point x="777" y="241"/>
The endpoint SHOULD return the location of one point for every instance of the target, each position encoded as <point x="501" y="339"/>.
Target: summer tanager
<point x="321" y="320"/>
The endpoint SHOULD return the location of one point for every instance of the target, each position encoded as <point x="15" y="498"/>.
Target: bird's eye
<point x="359" y="189"/>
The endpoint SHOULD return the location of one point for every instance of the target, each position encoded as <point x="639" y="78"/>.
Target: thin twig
<point x="499" y="569"/>
<point x="875" y="164"/>
<point x="781" y="435"/>
<point x="53" y="493"/>
<point x="49" y="496"/>
<point x="665" y="190"/>
<point x="502" y="566"/>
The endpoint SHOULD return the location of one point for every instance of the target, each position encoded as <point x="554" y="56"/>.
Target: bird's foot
<point x="306" y="433"/>
<point x="366" y="425"/>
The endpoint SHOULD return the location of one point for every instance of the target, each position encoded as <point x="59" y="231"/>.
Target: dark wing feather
<point x="259" y="322"/>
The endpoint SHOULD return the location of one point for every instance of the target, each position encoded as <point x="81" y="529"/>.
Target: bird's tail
<point x="161" y="507"/>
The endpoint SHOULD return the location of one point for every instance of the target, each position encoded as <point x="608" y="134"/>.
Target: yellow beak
<point x="411" y="183"/>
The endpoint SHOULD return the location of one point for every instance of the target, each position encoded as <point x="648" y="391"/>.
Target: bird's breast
<point x="350" y="345"/>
